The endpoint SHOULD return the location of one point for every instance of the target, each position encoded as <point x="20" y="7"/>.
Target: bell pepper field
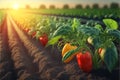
<point x="60" y="44"/>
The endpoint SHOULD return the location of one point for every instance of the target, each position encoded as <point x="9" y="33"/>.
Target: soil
<point x="24" y="58"/>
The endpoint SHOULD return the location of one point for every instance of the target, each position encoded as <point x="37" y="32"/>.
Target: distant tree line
<point x="78" y="6"/>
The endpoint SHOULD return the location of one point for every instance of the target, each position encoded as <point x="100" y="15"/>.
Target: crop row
<point x="1" y="16"/>
<point x="22" y="48"/>
<point x="90" y="43"/>
<point x="84" y="13"/>
<point x="1" y="19"/>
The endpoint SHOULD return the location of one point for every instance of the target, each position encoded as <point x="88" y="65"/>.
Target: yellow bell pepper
<point x="67" y="47"/>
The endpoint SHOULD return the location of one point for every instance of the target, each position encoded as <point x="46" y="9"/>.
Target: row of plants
<point x="86" y="13"/>
<point x="1" y="16"/>
<point x="37" y="25"/>
<point x="91" y="44"/>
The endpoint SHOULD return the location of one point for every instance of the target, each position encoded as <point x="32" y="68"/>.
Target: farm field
<point x="80" y="13"/>
<point x="59" y="44"/>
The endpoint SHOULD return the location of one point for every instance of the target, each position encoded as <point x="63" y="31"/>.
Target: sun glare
<point x="16" y="6"/>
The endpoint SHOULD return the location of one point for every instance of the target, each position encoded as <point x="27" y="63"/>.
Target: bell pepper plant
<point x="89" y="43"/>
<point x="81" y="35"/>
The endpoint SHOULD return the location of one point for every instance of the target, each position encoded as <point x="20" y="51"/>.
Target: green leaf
<point x="69" y="53"/>
<point x="54" y="40"/>
<point x="62" y="31"/>
<point x="115" y="34"/>
<point x="99" y="27"/>
<point x="110" y="56"/>
<point x="89" y="30"/>
<point x="110" y="23"/>
<point x="76" y="23"/>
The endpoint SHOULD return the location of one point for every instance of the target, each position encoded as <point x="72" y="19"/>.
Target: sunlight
<point x="16" y="6"/>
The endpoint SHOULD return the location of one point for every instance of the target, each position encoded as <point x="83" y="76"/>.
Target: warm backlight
<point x="16" y="6"/>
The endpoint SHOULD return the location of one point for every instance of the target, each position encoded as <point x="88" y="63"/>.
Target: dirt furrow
<point x="6" y="63"/>
<point x="25" y="69"/>
<point x="49" y="68"/>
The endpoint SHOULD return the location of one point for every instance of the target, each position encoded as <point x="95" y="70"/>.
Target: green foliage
<point x="87" y="12"/>
<point x="115" y="34"/>
<point x="63" y="30"/>
<point x="110" y="56"/>
<point x="89" y="30"/>
<point x="54" y="40"/>
<point x="110" y="23"/>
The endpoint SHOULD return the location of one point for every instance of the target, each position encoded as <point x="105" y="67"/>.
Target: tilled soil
<point x="24" y="58"/>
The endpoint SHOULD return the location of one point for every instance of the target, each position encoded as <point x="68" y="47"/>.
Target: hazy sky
<point x="58" y="3"/>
